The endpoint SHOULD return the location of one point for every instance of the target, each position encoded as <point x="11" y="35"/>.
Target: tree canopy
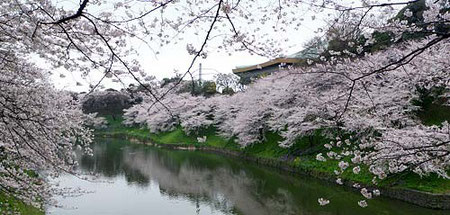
<point x="365" y="94"/>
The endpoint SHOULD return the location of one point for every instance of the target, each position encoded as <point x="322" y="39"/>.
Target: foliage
<point x="300" y="101"/>
<point x="106" y="102"/>
<point x="208" y="88"/>
<point x="301" y="155"/>
<point x="40" y="125"/>
<point x="8" y="204"/>
<point x="369" y="97"/>
<point x="228" y="91"/>
<point x="350" y="40"/>
<point x="171" y="80"/>
<point x="429" y="96"/>
<point x="115" y="128"/>
<point x="435" y="114"/>
<point x="432" y="103"/>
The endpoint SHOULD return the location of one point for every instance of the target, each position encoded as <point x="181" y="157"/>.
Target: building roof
<point x="308" y="53"/>
<point x="288" y="60"/>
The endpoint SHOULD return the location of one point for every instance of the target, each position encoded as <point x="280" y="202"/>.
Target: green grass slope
<point x="11" y="204"/>
<point x="301" y="155"/>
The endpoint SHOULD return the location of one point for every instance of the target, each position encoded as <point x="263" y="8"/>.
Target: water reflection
<point x="216" y="185"/>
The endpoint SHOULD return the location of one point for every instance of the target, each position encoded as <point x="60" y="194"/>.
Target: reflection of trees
<point x="219" y="187"/>
<point x="108" y="160"/>
<point x="228" y="186"/>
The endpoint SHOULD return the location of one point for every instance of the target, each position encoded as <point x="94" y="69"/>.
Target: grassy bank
<point x="11" y="204"/>
<point x="301" y="155"/>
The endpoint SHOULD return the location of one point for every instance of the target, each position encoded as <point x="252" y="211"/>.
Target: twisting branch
<point x="70" y="38"/>
<point x="115" y="55"/>
<point x="236" y="33"/>
<point x="205" y="41"/>
<point x="74" y="16"/>
<point x="378" y="5"/>
<point x="107" y="71"/>
<point x="392" y="66"/>
<point x="145" y="14"/>
<point x="80" y="13"/>
<point x="405" y="59"/>
<point x="348" y="99"/>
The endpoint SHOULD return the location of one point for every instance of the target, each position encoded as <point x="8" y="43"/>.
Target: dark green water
<point x="148" y="180"/>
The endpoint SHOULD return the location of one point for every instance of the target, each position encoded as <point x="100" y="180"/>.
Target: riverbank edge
<point x="419" y="198"/>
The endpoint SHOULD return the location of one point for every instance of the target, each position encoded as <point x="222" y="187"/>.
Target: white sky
<point x="176" y="58"/>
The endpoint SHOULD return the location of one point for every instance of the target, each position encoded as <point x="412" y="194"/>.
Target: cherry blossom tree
<point x="40" y="125"/>
<point x="378" y="112"/>
<point x="368" y="97"/>
<point x="39" y="128"/>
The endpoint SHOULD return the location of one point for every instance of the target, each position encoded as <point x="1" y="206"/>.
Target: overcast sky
<point x="175" y="57"/>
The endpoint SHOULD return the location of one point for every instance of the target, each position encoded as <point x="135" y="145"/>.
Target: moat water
<point x="138" y="179"/>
